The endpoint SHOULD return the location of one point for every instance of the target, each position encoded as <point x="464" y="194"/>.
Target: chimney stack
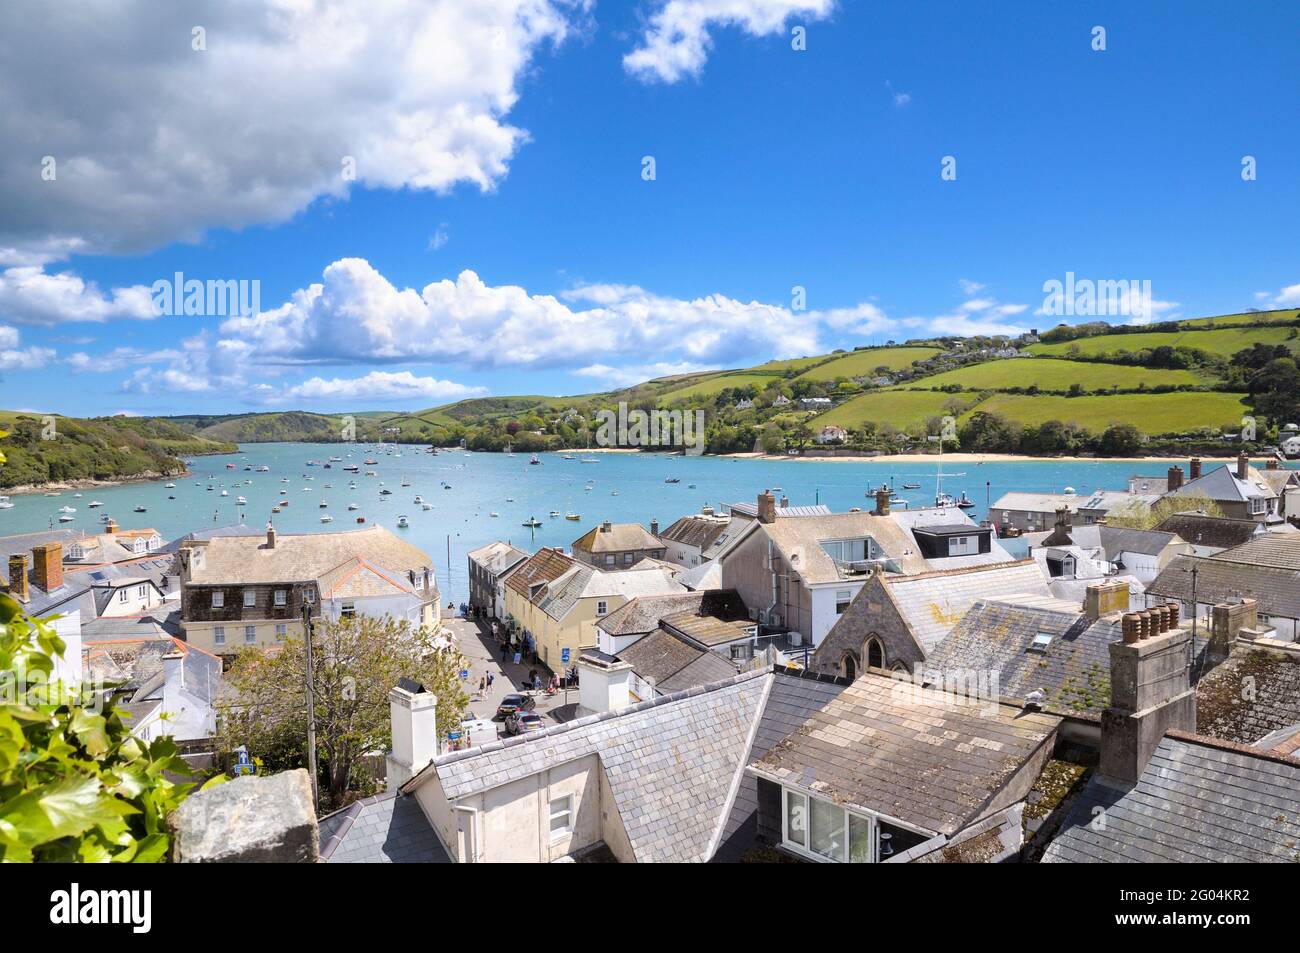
<point x="1271" y="463"/>
<point x="18" y="577"/>
<point x="654" y="527"/>
<point x="47" y="567"/>
<point x="270" y="535"/>
<point x="1243" y="465"/>
<point x="606" y="526"/>
<point x="173" y="682"/>
<point x="414" y="716"/>
<point x="1227" y="619"/>
<point x="1104" y="598"/>
<point x="603" y="684"/>
<point x="882" y="501"/>
<point x="1194" y="468"/>
<point x="785" y="501"/>
<point x="766" y="509"/>
<point x="111" y="526"/>
<point x="1150" y="694"/>
<point x="1175" y="478"/>
<point x="1063" y="519"/>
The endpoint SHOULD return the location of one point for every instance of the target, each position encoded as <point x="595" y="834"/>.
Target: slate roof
<point x="643" y="613"/>
<point x="707" y="630"/>
<point x="356" y="578"/>
<point x="1280" y="551"/>
<point x="932" y="603"/>
<point x="620" y="537"/>
<point x="799" y="542"/>
<point x="782" y="512"/>
<point x="135" y="662"/>
<point x="1195" y="802"/>
<point x="497" y="557"/>
<point x="23" y="542"/>
<point x="672" y="665"/>
<point x="543" y="566"/>
<point x="234" y="529"/>
<point x="301" y="557"/>
<point x="1217" y="531"/>
<point x="1274" y="705"/>
<point x="795" y="696"/>
<point x="930" y="760"/>
<point x="388" y="828"/>
<point x="998" y="635"/>
<point x="1218" y="580"/>
<point x="670" y="762"/>
<point x="949" y="520"/>
<point x="1222" y="483"/>
<point x="695" y="530"/>
<point x="1279" y="478"/>
<point x="580" y="582"/>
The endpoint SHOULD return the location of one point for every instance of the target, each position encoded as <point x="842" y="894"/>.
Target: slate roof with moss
<point x="643" y="613"/>
<point x="1226" y="710"/>
<point x="930" y="760"/>
<point x="235" y="560"/>
<point x="698" y="531"/>
<point x="1220" y="580"/>
<point x="670" y="664"/>
<point x="1220" y="532"/>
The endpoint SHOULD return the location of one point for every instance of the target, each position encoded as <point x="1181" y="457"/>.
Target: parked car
<point x="513" y="703"/>
<point x="522" y="722"/>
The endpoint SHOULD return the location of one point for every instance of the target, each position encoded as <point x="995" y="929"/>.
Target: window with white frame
<point x="962" y="545"/>
<point x="348" y="610"/>
<point x="309" y="596"/>
<point x="122" y="595"/>
<point x="219" y="635"/>
<point x="141" y="591"/>
<point x="250" y="598"/>
<point x="825" y="831"/>
<point x="281" y="597"/>
<point x="1257" y="505"/>
<point x="281" y="630"/>
<point x="609" y="559"/>
<point x="218" y="600"/>
<point x="842" y="599"/>
<point x="627" y="558"/>
<point x="250" y="634"/>
<point x="561" y="816"/>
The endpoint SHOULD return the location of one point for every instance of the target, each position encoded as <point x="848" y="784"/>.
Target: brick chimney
<point x="766" y="508"/>
<point x="882" y="501"/>
<point x="1150" y="693"/>
<point x="1243" y="465"/>
<point x="606" y="526"/>
<point x="111" y="526"/>
<point x="1175" y="478"/>
<point x="18" y="577"/>
<point x="47" y="566"/>
<point x="1194" y="468"/>
<point x="270" y="536"/>
<point x="1271" y="464"/>
<point x="654" y="527"/>
<point x="1063" y="518"/>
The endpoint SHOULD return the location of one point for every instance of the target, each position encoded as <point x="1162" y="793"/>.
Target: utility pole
<point x="311" y="706"/>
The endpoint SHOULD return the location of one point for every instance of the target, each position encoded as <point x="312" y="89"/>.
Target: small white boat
<point x="65" y="518"/>
<point x="170" y="486"/>
<point x="533" y="522"/>
<point x="354" y="506"/>
<point x="322" y="504"/>
<point x="77" y="495"/>
<point x="419" y="498"/>
<point x="385" y="492"/>
<point x="5" y="504"/>
<point x="494" y="514"/>
<point x="140" y="509"/>
<point x="327" y="518"/>
<point x="426" y="506"/>
<point x="67" y="509"/>
<point x="554" y="513"/>
<point x="239" y="500"/>
<point x="263" y="469"/>
<point x="403" y="522"/>
<point x="225" y="492"/>
<point x="94" y="503"/>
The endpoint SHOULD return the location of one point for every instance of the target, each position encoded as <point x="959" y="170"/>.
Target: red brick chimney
<point x="766" y="507"/>
<point x="1271" y="464"/>
<point x="1243" y="465"/>
<point x="1175" y="478"/>
<point x="1194" y="471"/>
<point x="18" y="577"/>
<point x="48" y="566"/>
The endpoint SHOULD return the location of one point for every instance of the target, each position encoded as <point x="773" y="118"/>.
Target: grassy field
<point x="784" y="367"/>
<point x="906" y="410"/>
<point x="1150" y="413"/>
<point x="1051" y="374"/>
<point x="713" y="385"/>
<point x="1221" y="341"/>
<point x="1248" y="317"/>
<point x="863" y="363"/>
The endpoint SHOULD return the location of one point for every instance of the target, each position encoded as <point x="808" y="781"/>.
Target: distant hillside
<point x="1176" y="385"/>
<point x="99" y="448"/>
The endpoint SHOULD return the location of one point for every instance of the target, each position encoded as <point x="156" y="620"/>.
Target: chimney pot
<point x="766" y="508"/>
<point x="1144" y="623"/>
<point x="882" y="501"/>
<point x="270" y="536"/>
<point x="606" y="526"/>
<point x="654" y="527"/>
<point x="1194" y="468"/>
<point x="1173" y="614"/>
<point x="1129" y="627"/>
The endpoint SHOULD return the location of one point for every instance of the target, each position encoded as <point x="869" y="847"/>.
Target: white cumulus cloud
<point x="379" y="385"/>
<point x="676" y="41"/>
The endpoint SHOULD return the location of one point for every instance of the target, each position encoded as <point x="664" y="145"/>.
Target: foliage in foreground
<point x="356" y="662"/>
<point x="74" y="784"/>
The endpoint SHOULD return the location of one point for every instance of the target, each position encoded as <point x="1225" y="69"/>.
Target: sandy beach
<point x="970" y="458"/>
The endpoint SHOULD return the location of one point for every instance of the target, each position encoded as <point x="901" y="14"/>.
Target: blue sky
<point x="499" y="236"/>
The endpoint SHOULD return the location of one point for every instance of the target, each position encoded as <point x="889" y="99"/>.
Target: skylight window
<point x="1041" y="641"/>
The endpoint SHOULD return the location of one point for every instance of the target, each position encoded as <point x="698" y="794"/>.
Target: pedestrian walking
<point x="489" y="680"/>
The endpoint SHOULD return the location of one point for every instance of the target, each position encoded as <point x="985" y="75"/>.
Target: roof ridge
<point x="1222" y="744"/>
<point x="957" y="571"/>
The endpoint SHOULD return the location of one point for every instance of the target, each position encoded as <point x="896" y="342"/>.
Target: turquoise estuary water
<point x="624" y="487"/>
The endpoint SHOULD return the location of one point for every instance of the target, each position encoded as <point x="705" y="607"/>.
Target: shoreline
<point x="88" y="483"/>
<point x="975" y="458"/>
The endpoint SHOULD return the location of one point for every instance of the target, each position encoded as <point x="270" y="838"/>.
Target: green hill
<point x="42" y="450"/>
<point x="1182" y="412"/>
<point x="1049" y="374"/>
<point x="1222" y="342"/>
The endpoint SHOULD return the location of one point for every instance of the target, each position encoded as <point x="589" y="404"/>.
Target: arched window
<point x="875" y="653"/>
<point x="849" y="666"/>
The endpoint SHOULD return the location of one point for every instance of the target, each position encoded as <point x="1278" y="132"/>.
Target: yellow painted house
<point x="558" y="600"/>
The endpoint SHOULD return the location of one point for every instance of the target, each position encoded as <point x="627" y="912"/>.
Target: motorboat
<point x="494" y="513"/>
<point x="672" y="480"/>
<point x="354" y="506"/>
<point x="140" y="509"/>
<point x="403" y="522"/>
<point x="66" y="518"/>
<point x="263" y="469"/>
<point x="170" y="486"/>
<point x="67" y="509"/>
<point x="385" y="492"/>
<point x="965" y="502"/>
<point x="553" y="513"/>
<point x="326" y="518"/>
<point x="534" y="462"/>
<point x="225" y="492"/>
<point x="419" y="498"/>
<point x="572" y="516"/>
<point x="911" y="486"/>
<point x="275" y="509"/>
<point x="426" y="506"/>
<point x="322" y="504"/>
<point x="5" y="504"/>
<point x="532" y="522"/>
<point x="240" y="501"/>
<point x="94" y="503"/>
